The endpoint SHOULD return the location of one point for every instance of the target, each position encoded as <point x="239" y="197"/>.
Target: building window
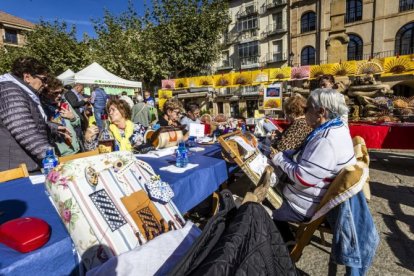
<point x="404" y="40"/>
<point x="406" y="5"/>
<point x="277" y="19"/>
<point x="277" y="52"/>
<point x="249" y="52"/>
<point x="353" y="11"/>
<point x="307" y="56"/>
<point x="355" y="47"/>
<point x="249" y="49"/>
<point x="10" y="36"/>
<point x="248" y="23"/>
<point x="308" y="22"/>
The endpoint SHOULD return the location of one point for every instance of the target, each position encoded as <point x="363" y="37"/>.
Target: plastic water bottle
<point x="50" y="161"/>
<point x="181" y="160"/>
<point x="243" y="128"/>
<point x="191" y="142"/>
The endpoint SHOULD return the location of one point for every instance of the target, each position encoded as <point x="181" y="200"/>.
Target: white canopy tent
<point x="96" y="74"/>
<point x="67" y="74"/>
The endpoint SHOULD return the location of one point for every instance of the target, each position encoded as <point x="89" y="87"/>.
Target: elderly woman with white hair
<point x="325" y="151"/>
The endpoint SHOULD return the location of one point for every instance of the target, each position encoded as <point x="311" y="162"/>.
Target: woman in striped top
<point x="311" y="168"/>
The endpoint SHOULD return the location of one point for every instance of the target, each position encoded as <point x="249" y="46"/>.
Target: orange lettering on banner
<point x="173" y="136"/>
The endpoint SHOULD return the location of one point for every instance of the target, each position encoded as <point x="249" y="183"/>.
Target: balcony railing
<point x="227" y="91"/>
<point x="252" y="34"/>
<point x="406" y="5"/>
<point x="270" y="4"/>
<point x="229" y="38"/>
<point x="246" y="11"/>
<point x="249" y="90"/>
<point x="276" y="57"/>
<point x="249" y="62"/>
<point x="226" y="64"/>
<point x="276" y="28"/>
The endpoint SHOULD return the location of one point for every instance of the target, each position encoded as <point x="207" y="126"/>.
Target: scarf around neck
<point x="123" y="141"/>
<point x="331" y="123"/>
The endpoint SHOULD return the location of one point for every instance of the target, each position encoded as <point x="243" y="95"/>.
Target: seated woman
<point x="293" y="136"/>
<point x="127" y="134"/>
<point x="325" y="152"/>
<point x="61" y="112"/>
<point x="171" y="113"/>
<point x="192" y="116"/>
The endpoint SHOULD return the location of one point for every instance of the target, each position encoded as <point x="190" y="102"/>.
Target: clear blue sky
<point x="77" y="12"/>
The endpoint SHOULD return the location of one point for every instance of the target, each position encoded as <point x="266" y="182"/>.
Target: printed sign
<point x="196" y="130"/>
<point x="273" y="97"/>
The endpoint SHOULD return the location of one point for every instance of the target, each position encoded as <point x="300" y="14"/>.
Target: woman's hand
<point x="273" y="152"/>
<point x="91" y="133"/>
<point x="67" y="114"/>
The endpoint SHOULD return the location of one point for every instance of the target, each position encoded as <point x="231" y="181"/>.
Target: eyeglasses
<point x="42" y="78"/>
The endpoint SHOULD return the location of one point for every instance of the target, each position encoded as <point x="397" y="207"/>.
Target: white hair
<point x="331" y="100"/>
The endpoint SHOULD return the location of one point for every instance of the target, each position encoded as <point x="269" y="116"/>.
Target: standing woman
<point x="51" y="99"/>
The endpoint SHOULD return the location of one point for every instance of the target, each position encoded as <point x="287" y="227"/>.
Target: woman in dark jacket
<point x="23" y="127"/>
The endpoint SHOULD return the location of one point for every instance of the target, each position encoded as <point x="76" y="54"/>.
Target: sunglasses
<point x="42" y="78"/>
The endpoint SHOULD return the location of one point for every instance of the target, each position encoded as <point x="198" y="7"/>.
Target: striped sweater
<point x="23" y="131"/>
<point x="315" y="167"/>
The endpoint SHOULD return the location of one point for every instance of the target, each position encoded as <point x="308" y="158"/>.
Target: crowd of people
<point x="37" y="112"/>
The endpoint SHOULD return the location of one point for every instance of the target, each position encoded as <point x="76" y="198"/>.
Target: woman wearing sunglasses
<point x="171" y="113"/>
<point x="24" y="129"/>
<point x="60" y="112"/>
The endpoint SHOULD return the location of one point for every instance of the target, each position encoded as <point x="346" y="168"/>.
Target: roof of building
<point x="15" y="21"/>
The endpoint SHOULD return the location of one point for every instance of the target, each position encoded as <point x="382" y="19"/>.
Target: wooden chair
<point x="12" y="174"/>
<point x="64" y="159"/>
<point x="305" y="231"/>
<point x="353" y="175"/>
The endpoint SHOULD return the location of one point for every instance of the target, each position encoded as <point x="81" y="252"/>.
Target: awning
<point x="192" y="95"/>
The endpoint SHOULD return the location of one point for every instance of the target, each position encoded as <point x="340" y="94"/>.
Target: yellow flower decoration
<point x="344" y="68"/>
<point x="205" y="81"/>
<point x="319" y="70"/>
<point x="368" y="67"/>
<point x="279" y="74"/>
<point x="243" y="78"/>
<point x="398" y="66"/>
<point x="181" y="83"/>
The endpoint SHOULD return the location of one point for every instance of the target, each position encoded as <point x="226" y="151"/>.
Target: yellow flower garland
<point x="123" y="142"/>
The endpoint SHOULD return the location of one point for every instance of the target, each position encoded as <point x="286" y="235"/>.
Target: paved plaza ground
<point x="392" y="206"/>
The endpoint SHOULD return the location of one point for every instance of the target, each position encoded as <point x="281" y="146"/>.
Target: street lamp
<point x="291" y="56"/>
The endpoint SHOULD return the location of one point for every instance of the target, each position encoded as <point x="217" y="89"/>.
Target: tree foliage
<point x="57" y="47"/>
<point x="53" y="44"/>
<point x="173" y="39"/>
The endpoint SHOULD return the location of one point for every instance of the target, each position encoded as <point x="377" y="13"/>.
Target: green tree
<point x="7" y="55"/>
<point x="57" y="47"/>
<point x="187" y="33"/>
<point x="175" y="38"/>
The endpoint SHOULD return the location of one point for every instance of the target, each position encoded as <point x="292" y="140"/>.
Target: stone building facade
<point x="339" y="30"/>
<point x="257" y="37"/>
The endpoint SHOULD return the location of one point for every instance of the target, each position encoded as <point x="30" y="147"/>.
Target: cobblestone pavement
<point x="392" y="207"/>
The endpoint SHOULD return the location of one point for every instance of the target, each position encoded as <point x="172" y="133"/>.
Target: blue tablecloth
<point x="193" y="186"/>
<point x="19" y="198"/>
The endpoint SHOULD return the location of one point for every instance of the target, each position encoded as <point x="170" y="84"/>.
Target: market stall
<point x="96" y="74"/>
